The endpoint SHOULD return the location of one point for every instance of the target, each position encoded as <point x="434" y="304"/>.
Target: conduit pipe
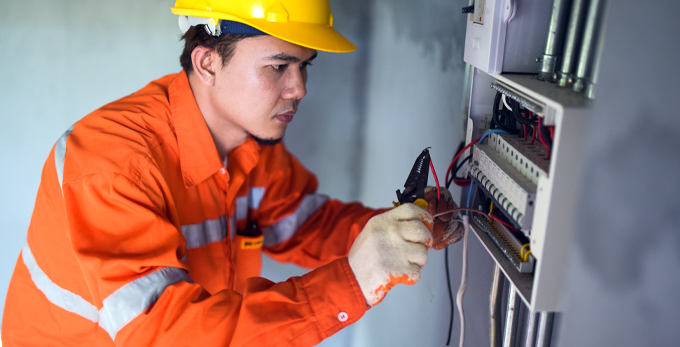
<point x="553" y="46"/>
<point x="531" y="327"/>
<point x="495" y="306"/>
<point x="587" y="55"/>
<point x="572" y="42"/>
<point x="511" y="317"/>
<point x="545" y="327"/>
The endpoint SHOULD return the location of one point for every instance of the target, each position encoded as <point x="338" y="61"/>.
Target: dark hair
<point x="197" y="35"/>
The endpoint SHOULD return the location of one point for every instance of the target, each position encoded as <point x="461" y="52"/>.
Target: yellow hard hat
<point x="308" y="23"/>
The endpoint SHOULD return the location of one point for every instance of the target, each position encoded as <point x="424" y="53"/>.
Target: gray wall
<point x="60" y="60"/>
<point x="624" y="277"/>
<point x="366" y="117"/>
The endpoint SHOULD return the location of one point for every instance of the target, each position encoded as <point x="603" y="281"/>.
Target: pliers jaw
<point x="414" y="188"/>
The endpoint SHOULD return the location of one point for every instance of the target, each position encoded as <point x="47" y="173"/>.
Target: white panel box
<point x="507" y="35"/>
<point x="555" y="187"/>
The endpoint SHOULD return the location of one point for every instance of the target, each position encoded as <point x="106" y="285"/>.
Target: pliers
<point x="414" y="188"/>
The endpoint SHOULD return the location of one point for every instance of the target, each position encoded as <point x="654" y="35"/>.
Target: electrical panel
<point x="529" y="180"/>
<point x="507" y="35"/>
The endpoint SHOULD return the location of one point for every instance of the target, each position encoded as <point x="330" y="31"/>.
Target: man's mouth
<point x="285" y="117"/>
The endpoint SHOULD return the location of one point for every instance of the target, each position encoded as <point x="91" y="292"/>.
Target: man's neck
<point x="225" y="134"/>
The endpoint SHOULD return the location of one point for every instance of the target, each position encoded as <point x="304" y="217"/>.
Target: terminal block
<point x="512" y="191"/>
<point x="529" y="160"/>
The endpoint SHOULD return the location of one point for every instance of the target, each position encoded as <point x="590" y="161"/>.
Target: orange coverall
<point x="131" y="241"/>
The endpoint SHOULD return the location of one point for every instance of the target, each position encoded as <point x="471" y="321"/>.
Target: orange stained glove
<point x="391" y="249"/>
<point x="447" y="229"/>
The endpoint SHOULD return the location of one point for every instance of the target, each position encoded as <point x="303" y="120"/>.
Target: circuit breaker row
<point x="529" y="160"/>
<point x="512" y="191"/>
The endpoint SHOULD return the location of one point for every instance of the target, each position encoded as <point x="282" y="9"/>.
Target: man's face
<point x="260" y="88"/>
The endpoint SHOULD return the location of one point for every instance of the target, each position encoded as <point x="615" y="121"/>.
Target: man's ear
<point x="204" y="61"/>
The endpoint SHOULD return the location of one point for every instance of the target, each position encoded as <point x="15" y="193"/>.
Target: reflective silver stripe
<point x="119" y="308"/>
<point x="256" y="194"/>
<point x="55" y="294"/>
<point x="208" y="231"/>
<point x="130" y="300"/>
<point x="286" y="227"/>
<point x="60" y="154"/>
<point x="252" y="200"/>
<point x="232" y="228"/>
<point x="241" y="207"/>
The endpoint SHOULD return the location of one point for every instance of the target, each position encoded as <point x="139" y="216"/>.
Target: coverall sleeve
<point x="316" y="230"/>
<point x="130" y="254"/>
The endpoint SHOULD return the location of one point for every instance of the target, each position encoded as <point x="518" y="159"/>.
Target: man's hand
<point x="391" y="249"/>
<point x="446" y="230"/>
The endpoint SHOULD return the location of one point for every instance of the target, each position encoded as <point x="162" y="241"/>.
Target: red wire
<point x="462" y="183"/>
<point x="524" y="126"/>
<point x="455" y="159"/>
<point x="504" y="223"/>
<point x="540" y="138"/>
<point x="533" y="136"/>
<point x="436" y="180"/>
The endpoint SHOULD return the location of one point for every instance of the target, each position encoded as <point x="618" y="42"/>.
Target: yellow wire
<point x="491" y="208"/>
<point x="526" y="255"/>
<point x="521" y="251"/>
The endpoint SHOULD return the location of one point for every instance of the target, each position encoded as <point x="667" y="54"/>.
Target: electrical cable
<point x="495" y="217"/>
<point x="448" y="284"/>
<point x="462" y="209"/>
<point x="463" y="279"/>
<point x="436" y="181"/>
<point x="517" y="115"/>
<point x="491" y="132"/>
<point x="541" y="139"/>
<point x="459" y="180"/>
<point x="495" y="116"/>
<point x="521" y="251"/>
<point x="505" y="102"/>
<point x="455" y="159"/>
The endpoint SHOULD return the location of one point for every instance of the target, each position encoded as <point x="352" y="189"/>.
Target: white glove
<point x="391" y="249"/>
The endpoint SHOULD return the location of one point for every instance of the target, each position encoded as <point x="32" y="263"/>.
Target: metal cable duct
<point x="572" y="42"/>
<point x="511" y="317"/>
<point x="553" y="45"/>
<point x="591" y="34"/>
<point x="591" y="81"/>
<point x="495" y="299"/>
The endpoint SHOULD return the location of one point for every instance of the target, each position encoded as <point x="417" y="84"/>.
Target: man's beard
<point x="266" y="142"/>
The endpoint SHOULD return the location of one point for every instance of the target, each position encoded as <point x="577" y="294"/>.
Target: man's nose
<point x="296" y="85"/>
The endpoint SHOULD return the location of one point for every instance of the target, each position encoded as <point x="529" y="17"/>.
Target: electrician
<point x="153" y="211"/>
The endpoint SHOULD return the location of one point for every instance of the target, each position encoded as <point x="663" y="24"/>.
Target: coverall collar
<point x="198" y="155"/>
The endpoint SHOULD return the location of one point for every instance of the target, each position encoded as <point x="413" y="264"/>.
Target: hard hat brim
<point x="315" y="36"/>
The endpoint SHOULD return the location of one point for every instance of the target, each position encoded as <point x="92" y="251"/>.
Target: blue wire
<point x="490" y="132"/>
<point x="472" y="183"/>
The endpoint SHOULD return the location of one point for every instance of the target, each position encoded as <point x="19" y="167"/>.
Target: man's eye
<point x="305" y="64"/>
<point x="279" y="67"/>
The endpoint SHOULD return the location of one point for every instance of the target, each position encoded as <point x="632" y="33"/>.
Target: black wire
<point x="453" y="173"/>
<point x="546" y="136"/>
<point x="518" y="116"/>
<point x="448" y="283"/>
<point x="468" y="158"/>
<point x="496" y="120"/>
